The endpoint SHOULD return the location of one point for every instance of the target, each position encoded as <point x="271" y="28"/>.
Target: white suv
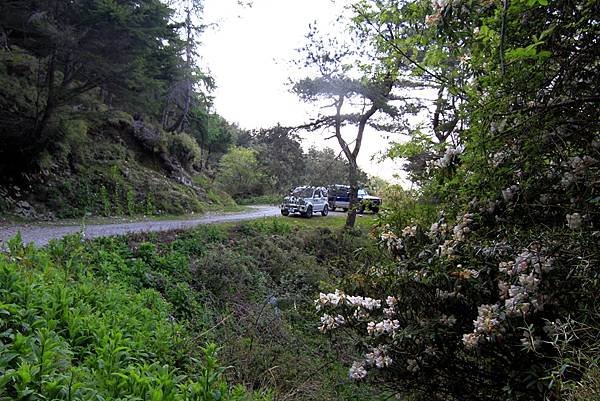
<point x="306" y="201"/>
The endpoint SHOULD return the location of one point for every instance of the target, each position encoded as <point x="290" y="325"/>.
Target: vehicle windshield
<point x="339" y="190"/>
<point x="302" y="192"/>
<point x="362" y="192"/>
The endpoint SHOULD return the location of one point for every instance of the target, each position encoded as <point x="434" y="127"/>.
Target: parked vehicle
<point x="306" y="201"/>
<point x="339" y="197"/>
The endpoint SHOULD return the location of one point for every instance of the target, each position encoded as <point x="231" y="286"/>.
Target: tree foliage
<point x="125" y="47"/>
<point x="239" y="173"/>
<point x="325" y="167"/>
<point x="356" y="89"/>
<point x="493" y="296"/>
<point x="71" y="60"/>
<point x="285" y="165"/>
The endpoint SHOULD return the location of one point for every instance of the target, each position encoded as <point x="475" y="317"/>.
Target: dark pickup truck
<point x="339" y="197"/>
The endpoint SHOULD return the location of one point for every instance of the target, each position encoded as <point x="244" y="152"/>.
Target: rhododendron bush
<point x="497" y="297"/>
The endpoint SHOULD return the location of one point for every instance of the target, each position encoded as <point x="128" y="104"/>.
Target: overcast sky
<point x="249" y="54"/>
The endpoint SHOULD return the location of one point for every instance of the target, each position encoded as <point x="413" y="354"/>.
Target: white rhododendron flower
<point x="329" y="322"/>
<point x="574" y="221"/>
<point x="470" y="340"/>
<point x="509" y="193"/>
<point x="409" y="231"/>
<point x="412" y="365"/>
<point x="364" y="302"/>
<point x="378" y="357"/>
<point x="387" y="326"/>
<point x="448" y="320"/>
<point x="331" y="299"/>
<point x="449" y="157"/>
<point x="357" y="371"/>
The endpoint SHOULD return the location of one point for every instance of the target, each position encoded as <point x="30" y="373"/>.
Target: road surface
<point x="40" y="235"/>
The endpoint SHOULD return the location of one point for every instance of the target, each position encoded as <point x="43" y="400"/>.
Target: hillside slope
<point x="100" y="160"/>
<point x="108" y="165"/>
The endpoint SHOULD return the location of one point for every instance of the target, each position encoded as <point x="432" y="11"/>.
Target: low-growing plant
<point x="130" y="201"/>
<point x="72" y="328"/>
<point x="149" y="204"/>
<point x="105" y="199"/>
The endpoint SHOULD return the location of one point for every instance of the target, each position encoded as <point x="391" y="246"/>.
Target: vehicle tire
<point x="285" y="212"/>
<point x="325" y="211"/>
<point x="309" y="212"/>
<point x="331" y="207"/>
<point x="361" y="209"/>
<point x="345" y="209"/>
<point x="375" y="209"/>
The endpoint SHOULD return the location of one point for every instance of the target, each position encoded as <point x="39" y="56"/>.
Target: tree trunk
<point x="39" y="132"/>
<point x="353" y="181"/>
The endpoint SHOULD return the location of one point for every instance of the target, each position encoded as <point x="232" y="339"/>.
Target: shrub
<point x="185" y="149"/>
<point x="239" y="173"/>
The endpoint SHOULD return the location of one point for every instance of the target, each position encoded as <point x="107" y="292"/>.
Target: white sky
<point x="249" y="55"/>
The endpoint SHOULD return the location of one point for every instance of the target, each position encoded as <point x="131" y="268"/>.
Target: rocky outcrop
<point x="148" y="136"/>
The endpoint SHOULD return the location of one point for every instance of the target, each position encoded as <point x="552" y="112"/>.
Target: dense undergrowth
<point x="135" y="317"/>
<point x="494" y="291"/>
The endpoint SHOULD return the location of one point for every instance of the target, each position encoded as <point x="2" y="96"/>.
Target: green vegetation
<point x="268" y="163"/>
<point x="88" y="126"/>
<point x="78" y="324"/>
<point x="136" y="316"/>
<point x="480" y="285"/>
<point x="493" y="292"/>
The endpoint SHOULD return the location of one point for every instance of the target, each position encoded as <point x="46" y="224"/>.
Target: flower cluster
<point x="378" y="357"/>
<point x="433" y="19"/>
<point x="450" y="155"/>
<point x="574" y="221"/>
<point x="386" y="326"/>
<point x="462" y="228"/>
<point x="361" y="305"/>
<point x="509" y="193"/>
<point x="439" y="228"/>
<point x="363" y="302"/>
<point x="391" y="241"/>
<point x="409" y="231"/>
<point x="576" y="169"/>
<point x="329" y="322"/>
<point x="362" y="308"/>
<point x="459" y="233"/>
<point x="331" y="299"/>
<point x="357" y="371"/>
<point x="487" y="326"/>
<point x="519" y="289"/>
<point x="521" y="296"/>
<point x="436" y="17"/>
<point x="390" y="311"/>
<point x="448" y="320"/>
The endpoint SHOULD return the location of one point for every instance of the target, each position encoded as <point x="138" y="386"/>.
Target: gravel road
<point x="40" y="234"/>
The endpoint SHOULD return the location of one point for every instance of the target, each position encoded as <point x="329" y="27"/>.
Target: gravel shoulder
<point x="41" y="234"/>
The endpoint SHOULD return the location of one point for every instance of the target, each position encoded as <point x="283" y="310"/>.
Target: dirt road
<point x="42" y="234"/>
